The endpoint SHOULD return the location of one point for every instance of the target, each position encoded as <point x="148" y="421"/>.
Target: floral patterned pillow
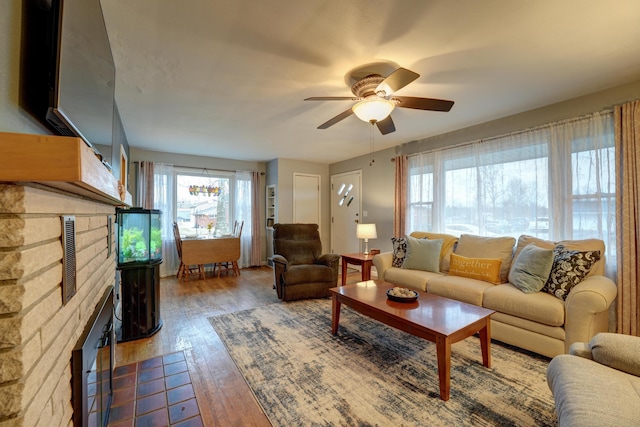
<point x="569" y="269"/>
<point x="399" y="251"/>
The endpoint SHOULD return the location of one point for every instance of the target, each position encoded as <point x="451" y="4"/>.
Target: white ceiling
<point x="227" y="78"/>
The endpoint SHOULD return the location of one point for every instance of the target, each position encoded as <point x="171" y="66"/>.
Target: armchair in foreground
<point x="598" y="383"/>
<point x="301" y="271"/>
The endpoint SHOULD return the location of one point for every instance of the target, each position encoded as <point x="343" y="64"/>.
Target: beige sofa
<point x="598" y="383"/>
<point x="539" y="321"/>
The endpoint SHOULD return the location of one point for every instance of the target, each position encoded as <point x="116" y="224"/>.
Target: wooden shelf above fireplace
<point x="61" y="162"/>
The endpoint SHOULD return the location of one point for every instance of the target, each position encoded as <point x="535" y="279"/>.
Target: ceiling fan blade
<point x="397" y="80"/>
<point x="332" y="98"/>
<point x="423" y="103"/>
<point x="386" y="125"/>
<point x="336" y="119"/>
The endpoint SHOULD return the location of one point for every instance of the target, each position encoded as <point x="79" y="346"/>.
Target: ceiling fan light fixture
<point x="373" y="110"/>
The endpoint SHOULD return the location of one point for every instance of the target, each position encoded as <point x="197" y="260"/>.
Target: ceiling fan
<point x="375" y="100"/>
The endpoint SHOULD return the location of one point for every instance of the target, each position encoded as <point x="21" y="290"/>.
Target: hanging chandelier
<point x="209" y="190"/>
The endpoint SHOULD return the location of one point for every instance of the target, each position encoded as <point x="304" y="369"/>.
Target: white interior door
<point x="345" y="212"/>
<point x="306" y="199"/>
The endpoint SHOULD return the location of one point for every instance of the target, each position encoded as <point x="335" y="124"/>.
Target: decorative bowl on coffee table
<point x="407" y="295"/>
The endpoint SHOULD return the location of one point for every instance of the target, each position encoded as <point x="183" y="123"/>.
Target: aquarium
<point x="139" y="236"/>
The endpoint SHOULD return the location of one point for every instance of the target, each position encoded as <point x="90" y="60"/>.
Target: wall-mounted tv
<point x="67" y="71"/>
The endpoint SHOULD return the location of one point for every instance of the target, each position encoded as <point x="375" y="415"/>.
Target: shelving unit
<point x="271" y="211"/>
<point x="271" y="205"/>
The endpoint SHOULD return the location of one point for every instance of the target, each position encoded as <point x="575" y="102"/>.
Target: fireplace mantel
<point x="61" y="162"/>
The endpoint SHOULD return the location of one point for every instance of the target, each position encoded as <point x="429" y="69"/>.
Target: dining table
<point x="216" y="250"/>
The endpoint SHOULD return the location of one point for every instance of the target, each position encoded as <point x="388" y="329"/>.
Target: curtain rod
<point x="193" y="167"/>
<point x="518" y="132"/>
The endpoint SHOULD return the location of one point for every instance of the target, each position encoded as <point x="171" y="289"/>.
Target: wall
<point x="378" y="180"/>
<point x="38" y="332"/>
<point x="12" y="117"/>
<point x="283" y="169"/>
<point x="597" y="101"/>
<point x="377" y="191"/>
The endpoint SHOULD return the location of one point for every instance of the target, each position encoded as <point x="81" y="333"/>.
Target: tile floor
<point x="154" y="393"/>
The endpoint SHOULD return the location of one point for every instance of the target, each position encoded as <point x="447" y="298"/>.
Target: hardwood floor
<point x="222" y="394"/>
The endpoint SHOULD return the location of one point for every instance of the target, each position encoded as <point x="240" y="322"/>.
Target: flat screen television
<point x="67" y="76"/>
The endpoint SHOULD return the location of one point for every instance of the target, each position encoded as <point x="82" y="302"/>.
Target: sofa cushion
<point x="422" y="254"/>
<point x="525" y="240"/>
<point x="530" y="270"/>
<point x="569" y="269"/>
<point x="537" y="329"/>
<point x="539" y="307"/>
<point x="486" y="269"/>
<point x="585" y="245"/>
<point x="459" y="288"/>
<point x="471" y="246"/>
<point x="598" y="268"/>
<point x="448" y="244"/>
<point x="399" y="250"/>
<point x="416" y="279"/>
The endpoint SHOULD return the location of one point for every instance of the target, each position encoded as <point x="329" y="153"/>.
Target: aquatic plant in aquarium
<point x="139" y="236"/>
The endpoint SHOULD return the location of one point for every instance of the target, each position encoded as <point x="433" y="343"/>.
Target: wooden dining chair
<point x="238" y="234"/>
<point x="232" y="251"/>
<point x="184" y="270"/>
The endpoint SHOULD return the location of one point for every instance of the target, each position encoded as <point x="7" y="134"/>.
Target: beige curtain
<point x="627" y="134"/>
<point x="254" y="259"/>
<point x="144" y="185"/>
<point x="400" y="202"/>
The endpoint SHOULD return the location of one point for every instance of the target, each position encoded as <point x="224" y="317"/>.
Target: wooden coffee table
<point x="440" y="320"/>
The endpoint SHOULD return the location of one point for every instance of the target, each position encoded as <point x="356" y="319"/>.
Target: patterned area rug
<point x="370" y="374"/>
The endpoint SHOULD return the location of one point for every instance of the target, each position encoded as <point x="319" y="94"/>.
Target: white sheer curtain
<point x="555" y="181"/>
<point x="243" y="212"/>
<point x="163" y="183"/>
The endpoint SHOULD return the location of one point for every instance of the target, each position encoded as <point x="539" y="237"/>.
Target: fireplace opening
<point x="92" y="362"/>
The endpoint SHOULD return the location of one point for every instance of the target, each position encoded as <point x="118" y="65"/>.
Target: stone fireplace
<point x="44" y="179"/>
<point x="38" y="332"/>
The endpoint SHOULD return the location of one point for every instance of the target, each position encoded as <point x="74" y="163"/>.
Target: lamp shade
<point x="366" y="231"/>
<point x="374" y="109"/>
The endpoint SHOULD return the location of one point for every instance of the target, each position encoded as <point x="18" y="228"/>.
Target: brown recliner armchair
<point x="300" y="270"/>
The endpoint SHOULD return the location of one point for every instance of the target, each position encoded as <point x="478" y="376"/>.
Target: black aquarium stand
<point x="140" y="301"/>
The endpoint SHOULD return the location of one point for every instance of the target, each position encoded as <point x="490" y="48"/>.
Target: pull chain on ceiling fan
<point x="375" y="100"/>
<point x="371" y="147"/>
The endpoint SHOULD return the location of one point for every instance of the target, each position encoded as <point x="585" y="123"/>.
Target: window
<point x="555" y="182"/>
<point x="593" y="195"/>
<point x="421" y="199"/>
<point x="204" y="202"/>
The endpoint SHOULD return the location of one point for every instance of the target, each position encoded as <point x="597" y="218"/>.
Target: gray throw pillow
<point x="531" y="269"/>
<point x="423" y="254"/>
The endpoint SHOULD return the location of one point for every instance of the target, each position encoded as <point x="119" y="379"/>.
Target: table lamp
<point x="366" y="232"/>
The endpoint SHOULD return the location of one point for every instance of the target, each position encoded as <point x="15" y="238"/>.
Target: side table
<point x="366" y="261"/>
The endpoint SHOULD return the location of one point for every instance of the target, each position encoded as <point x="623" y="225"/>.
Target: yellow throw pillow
<point x="486" y="269"/>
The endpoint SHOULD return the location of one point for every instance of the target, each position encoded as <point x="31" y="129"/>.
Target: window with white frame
<point x="555" y="182"/>
<point x="204" y="202"/>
